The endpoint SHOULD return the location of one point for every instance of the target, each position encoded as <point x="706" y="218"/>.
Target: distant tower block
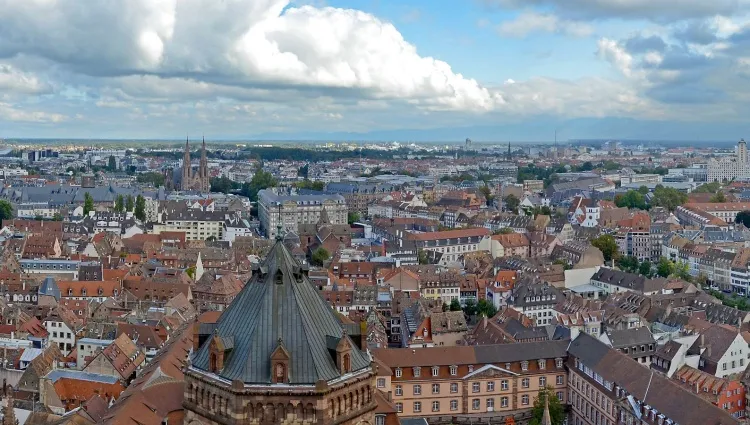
<point x="468" y="144"/>
<point x="742" y="151"/>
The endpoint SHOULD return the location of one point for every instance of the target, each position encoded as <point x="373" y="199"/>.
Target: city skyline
<point x="490" y="70"/>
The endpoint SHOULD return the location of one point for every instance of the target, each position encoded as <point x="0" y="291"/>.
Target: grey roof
<point x="279" y="306"/>
<point x="503" y="353"/>
<point x="56" y="374"/>
<point x="49" y="287"/>
<point x="628" y="337"/>
<point x="649" y="387"/>
<point x="619" y="278"/>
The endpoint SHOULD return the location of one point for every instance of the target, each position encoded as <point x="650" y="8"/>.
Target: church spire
<point x="9" y="415"/>
<point x="546" y="418"/>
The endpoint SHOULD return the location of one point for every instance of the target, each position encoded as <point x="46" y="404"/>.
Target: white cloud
<point x="614" y="53"/>
<point x="9" y="112"/>
<point x="14" y="81"/>
<point x="529" y="22"/>
<point x="238" y="42"/>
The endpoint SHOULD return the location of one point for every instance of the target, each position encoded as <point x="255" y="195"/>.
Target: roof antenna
<point x="278" y="226"/>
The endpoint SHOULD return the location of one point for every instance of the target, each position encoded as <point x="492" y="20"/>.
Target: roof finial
<point x="279" y="236"/>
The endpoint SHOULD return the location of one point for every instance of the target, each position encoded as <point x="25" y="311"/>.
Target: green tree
<point x="320" y="256"/>
<point x="486" y="308"/>
<point x="546" y="210"/>
<point x="712" y="187"/>
<point x="682" y="271"/>
<point x="422" y="257"/>
<point x="223" y="184"/>
<point x="511" y="203"/>
<point x="455" y="305"/>
<point x="88" y="203"/>
<point x="152" y="178"/>
<point x="631" y="199"/>
<point x="470" y="307"/>
<point x="57" y="217"/>
<point x="311" y="185"/>
<point x="668" y="198"/>
<point x="261" y="180"/>
<point x="718" y="198"/>
<point x="304" y="171"/>
<point x="6" y="211"/>
<point x="743" y="217"/>
<point x="119" y="203"/>
<point x="503" y="231"/>
<point x="607" y="245"/>
<point x="628" y="263"/>
<point x="129" y="203"/>
<point x="190" y="271"/>
<point x="487" y="193"/>
<point x="643" y="190"/>
<point x="556" y="410"/>
<point x="563" y="262"/>
<point x="645" y="268"/>
<point x="112" y="164"/>
<point x="664" y="268"/>
<point x="140" y="208"/>
<point x="352" y="217"/>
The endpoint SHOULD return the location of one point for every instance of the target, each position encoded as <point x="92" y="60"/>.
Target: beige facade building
<point x="493" y="380"/>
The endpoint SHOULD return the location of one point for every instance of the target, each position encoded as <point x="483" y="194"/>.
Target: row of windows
<point x="476" y="403"/>
<point x="476" y="386"/>
<point x="454" y="369"/>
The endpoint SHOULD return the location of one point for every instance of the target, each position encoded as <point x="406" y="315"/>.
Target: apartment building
<point x="292" y="210"/>
<point x="536" y="300"/>
<point x="604" y="390"/>
<point x="471" y="380"/>
<point x="198" y="225"/>
<point x="451" y="244"/>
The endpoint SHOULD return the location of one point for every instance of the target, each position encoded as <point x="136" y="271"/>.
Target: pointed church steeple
<point x="546" y="418"/>
<point x="323" y="220"/>
<point x="9" y="415"/>
<point x="198" y="268"/>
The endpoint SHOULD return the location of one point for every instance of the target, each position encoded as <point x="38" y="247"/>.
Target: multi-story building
<point x="607" y="387"/>
<point x="51" y="267"/>
<point x="704" y="213"/>
<point x="730" y="168"/>
<point x="293" y="210"/>
<point x="536" y="300"/>
<point x="451" y="244"/>
<point x="727" y="394"/>
<point x="359" y="195"/>
<point x="198" y="225"/>
<point x="471" y="380"/>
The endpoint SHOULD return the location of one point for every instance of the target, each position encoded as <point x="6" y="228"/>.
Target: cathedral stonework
<point x="195" y="180"/>
<point x="280" y="355"/>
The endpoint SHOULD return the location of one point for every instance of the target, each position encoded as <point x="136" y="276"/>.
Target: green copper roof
<point x="280" y="303"/>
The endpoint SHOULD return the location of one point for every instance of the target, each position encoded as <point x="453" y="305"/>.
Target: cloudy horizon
<point x="488" y="69"/>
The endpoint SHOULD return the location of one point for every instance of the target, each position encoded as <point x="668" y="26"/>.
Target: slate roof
<point x="49" y="287"/>
<point x="649" y="387"/>
<point x="279" y="306"/>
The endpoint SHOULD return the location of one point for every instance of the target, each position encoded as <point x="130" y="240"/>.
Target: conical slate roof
<point x="49" y="287"/>
<point x="279" y="306"/>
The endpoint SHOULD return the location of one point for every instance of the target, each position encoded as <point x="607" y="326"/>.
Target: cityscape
<point x="345" y="212"/>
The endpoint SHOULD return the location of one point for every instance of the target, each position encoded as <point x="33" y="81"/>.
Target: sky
<point x="442" y="70"/>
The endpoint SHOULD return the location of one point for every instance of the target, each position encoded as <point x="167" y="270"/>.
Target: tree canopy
<point x="668" y="198"/>
<point x="631" y="199"/>
<point x="320" y="256"/>
<point x="140" y="208"/>
<point x="743" y="217"/>
<point x="511" y="203"/>
<point x="556" y="409"/>
<point x="152" y="178"/>
<point x="88" y="203"/>
<point x="607" y="245"/>
<point x="6" y="211"/>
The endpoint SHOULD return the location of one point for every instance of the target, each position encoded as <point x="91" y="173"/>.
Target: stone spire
<point x="546" y="418"/>
<point x="186" y="169"/>
<point x="198" y="268"/>
<point x="203" y="169"/>
<point x="9" y="416"/>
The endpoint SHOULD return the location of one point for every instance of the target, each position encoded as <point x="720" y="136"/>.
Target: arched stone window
<point x="347" y="363"/>
<point x="279" y="373"/>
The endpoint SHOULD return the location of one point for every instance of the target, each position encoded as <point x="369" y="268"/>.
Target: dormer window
<point x="454" y="370"/>
<point x="417" y="371"/>
<point x="559" y="363"/>
<point x="524" y="365"/>
<point x="435" y="370"/>
<point x="70" y="292"/>
<point x="542" y="364"/>
<point x="398" y="372"/>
